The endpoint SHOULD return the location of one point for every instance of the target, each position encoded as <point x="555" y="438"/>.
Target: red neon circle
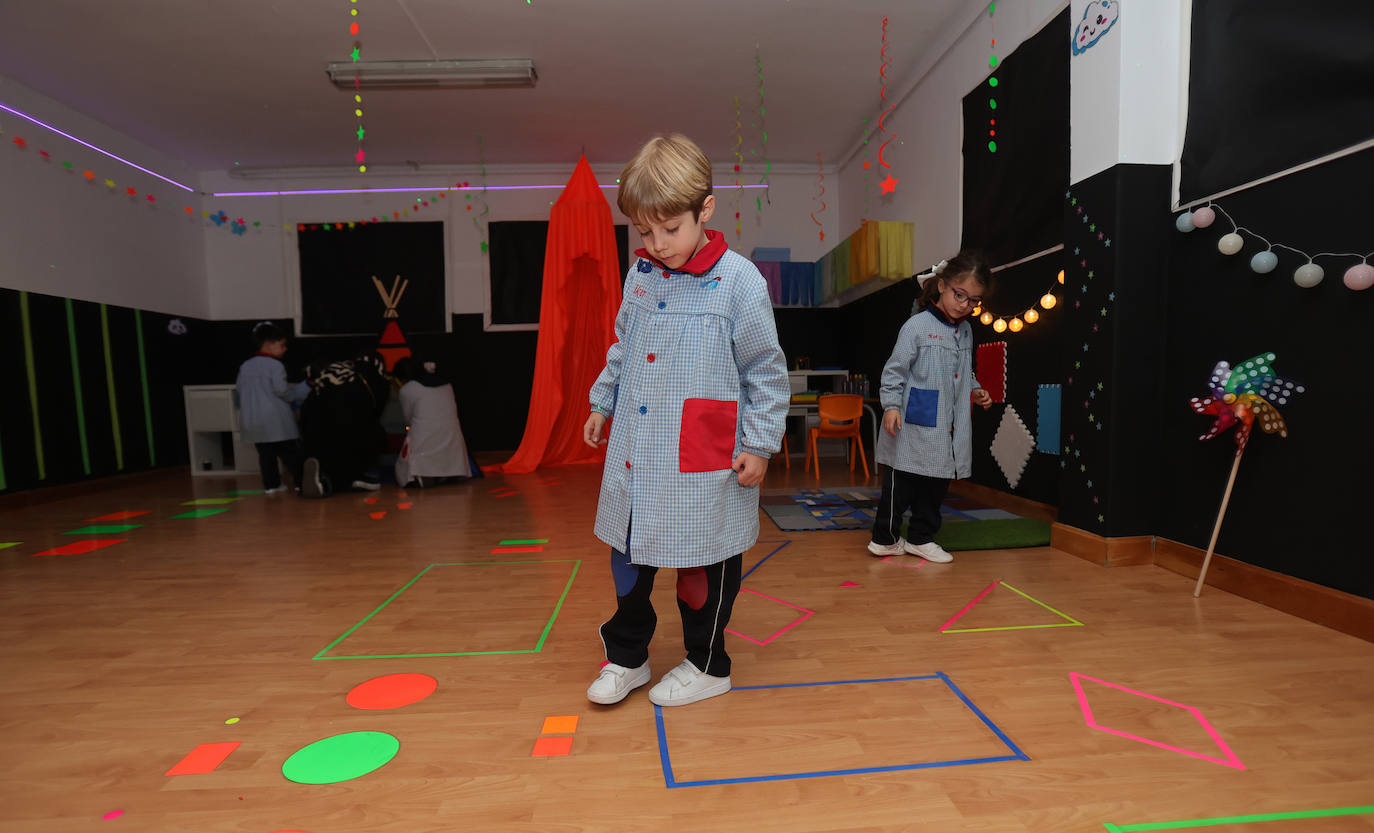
<point x="391" y="691"/>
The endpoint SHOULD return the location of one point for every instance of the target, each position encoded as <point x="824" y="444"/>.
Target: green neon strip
<point x="1042" y="604"/>
<point x="525" y="541"/>
<point x="76" y="388"/>
<point x="143" y="377"/>
<point x="548" y="626"/>
<point x="7" y="544"/>
<point x="363" y="621"/>
<point x="198" y="513"/>
<point x="33" y="385"/>
<point x="109" y="384"/>
<point x="102" y="529"/>
<point x="1015" y="627"/>
<point x="1193" y="823"/>
<point x="539" y="646"/>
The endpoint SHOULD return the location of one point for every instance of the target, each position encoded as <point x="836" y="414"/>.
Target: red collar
<point x="702" y="261"/>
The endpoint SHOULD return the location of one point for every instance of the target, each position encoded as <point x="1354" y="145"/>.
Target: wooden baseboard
<point x="1335" y="609"/>
<point x="1025" y="507"/>
<point x="1104" y="552"/>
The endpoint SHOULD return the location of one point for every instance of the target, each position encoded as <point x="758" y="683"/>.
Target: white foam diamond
<point x="1012" y="445"/>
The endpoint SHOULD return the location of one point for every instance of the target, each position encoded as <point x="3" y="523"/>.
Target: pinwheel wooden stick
<point x="1239" y="395"/>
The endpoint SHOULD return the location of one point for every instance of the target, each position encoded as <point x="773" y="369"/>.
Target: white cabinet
<point x="212" y="428"/>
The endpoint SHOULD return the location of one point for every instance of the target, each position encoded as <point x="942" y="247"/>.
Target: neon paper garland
<point x="889" y="185"/>
<point x="763" y="128"/>
<point x="739" y="159"/>
<point x="820" y="172"/>
<point x="360" y="157"/>
<point x="992" y="80"/>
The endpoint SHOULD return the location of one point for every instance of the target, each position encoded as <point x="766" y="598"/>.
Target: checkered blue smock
<point x="695" y="377"/>
<point x="929" y="379"/>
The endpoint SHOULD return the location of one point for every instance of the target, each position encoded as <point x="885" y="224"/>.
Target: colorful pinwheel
<point x="1240" y="395"/>
<point x="1244" y="393"/>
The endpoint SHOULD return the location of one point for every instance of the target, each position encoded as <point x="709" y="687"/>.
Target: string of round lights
<point x="1016" y="322"/>
<point x="1358" y="277"/>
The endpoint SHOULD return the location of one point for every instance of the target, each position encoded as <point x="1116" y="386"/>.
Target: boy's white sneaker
<point x="685" y="684"/>
<point x="274" y="491"/>
<point x="616" y="682"/>
<point x="889" y="549"/>
<point x="930" y="552"/>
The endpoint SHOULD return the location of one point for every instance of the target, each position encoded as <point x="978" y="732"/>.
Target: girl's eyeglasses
<point x="963" y="299"/>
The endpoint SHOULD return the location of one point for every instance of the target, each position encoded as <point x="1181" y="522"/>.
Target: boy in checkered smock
<point x="926" y="387"/>
<point x="697" y="388"/>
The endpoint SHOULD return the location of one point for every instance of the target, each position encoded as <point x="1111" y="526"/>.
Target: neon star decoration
<point x="889" y="185"/>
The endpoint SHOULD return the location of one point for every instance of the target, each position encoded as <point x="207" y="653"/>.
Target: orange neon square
<point x="561" y="724"/>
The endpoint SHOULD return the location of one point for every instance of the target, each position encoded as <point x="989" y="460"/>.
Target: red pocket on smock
<point x="707" y="439"/>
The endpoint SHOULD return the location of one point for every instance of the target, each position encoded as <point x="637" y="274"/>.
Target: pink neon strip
<point x="808" y="615"/>
<point x="64" y="134"/>
<point x="976" y="600"/>
<point x="1231" y="760"/>
<point x="416" y="190"/>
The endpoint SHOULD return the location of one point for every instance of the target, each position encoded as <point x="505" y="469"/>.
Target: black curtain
<point x="1273" y="84"/>
<point x="337" y="265"/>
<point x="1013" y="197"/>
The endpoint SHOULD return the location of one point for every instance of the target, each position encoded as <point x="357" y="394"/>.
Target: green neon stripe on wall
<point x="33" y="385"/>
<point x="109" y="385"/>
<point x="143" y="377"/>
<point x="76" y="388"/>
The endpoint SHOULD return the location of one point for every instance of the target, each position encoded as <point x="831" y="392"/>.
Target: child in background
<point x="697" y="385"/>
<point x="434" y="450"/>
<point x="926" y="387"/>
<point x="265" y="415"/>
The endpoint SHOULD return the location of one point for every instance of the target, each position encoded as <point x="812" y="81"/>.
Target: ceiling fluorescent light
<point x="461" y="74"/>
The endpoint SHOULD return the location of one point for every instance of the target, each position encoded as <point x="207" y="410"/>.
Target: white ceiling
<point x="219" y="82"/>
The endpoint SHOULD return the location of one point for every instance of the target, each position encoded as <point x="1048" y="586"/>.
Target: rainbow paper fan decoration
<point x="1240" y="396"/>
<point x="1243" y="394"/>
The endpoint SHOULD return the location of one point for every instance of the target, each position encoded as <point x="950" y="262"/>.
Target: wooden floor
<point x="116" y="664"/>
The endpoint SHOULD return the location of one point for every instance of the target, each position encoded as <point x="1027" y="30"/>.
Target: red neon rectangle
<point x="203" y="758"/>
<point x="83" y="547"/>
<point x="121" y="516"/>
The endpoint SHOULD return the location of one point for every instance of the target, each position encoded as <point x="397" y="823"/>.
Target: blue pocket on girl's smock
<point x="922" y="406"/>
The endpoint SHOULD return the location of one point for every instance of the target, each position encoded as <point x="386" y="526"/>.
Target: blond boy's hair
<point x="669" y="175"/>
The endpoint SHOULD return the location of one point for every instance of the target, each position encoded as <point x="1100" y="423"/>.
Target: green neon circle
<point x="992" y="82"/>
<point x="992" y="104"/>
<point x="992" y="61"/>
<point x="992" y="146"/>
<point x="340" y="758"/>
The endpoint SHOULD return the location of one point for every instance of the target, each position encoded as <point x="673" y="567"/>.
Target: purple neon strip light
<point x="417" y="189"/>
<point x="47" y="126"/>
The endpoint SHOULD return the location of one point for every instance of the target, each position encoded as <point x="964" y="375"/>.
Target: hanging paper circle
<point x="1204" y="217"/>
<point x="1060" y="276"/>
<point x="1308" y="275"/>
<point x="999" y="325"/>
<point x="977" y="311"/>
<point x="1048" y="300"/>
<point x="1184" y="221"/>
<point x="1264" y="262"/>
<point x="1031" y="316"/>
<point x="1016" y="325"/>
<point x="1360" y="276"/>
<point x="986" y="318"/>
<point x="1231" y="243"/>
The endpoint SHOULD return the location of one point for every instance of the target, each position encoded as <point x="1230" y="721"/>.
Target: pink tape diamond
<point x="1230" y="760"/>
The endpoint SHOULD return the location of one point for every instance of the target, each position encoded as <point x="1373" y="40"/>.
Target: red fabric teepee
<point x="576" y="326"/>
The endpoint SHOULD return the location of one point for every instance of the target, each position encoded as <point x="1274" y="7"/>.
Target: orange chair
<point x="839" y="413"/>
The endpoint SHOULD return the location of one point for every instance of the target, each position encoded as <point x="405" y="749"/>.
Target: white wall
<point x="254" y="275"/>
<point x="1127" y="89"/>
<point x="929" y="123"/>
<point x="63" y="235"/>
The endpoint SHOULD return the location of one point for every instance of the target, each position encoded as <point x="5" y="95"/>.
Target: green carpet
<point x="1000" y="534"/>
